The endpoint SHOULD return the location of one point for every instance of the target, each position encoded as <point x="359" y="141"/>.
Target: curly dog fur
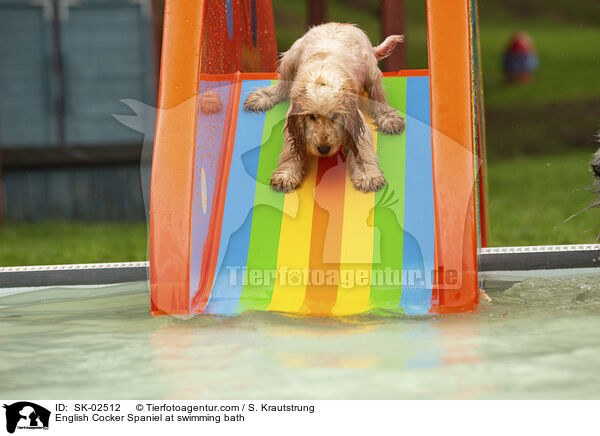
<point x="323" y="74"/>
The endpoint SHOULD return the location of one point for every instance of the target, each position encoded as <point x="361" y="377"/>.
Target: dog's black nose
<point x="596" y="169"/>
<point x="323" y="149"/>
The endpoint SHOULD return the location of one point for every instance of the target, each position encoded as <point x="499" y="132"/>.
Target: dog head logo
<point x="26" y="415"/>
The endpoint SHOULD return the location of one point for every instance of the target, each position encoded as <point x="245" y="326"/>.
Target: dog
<point x="323" y="74"/>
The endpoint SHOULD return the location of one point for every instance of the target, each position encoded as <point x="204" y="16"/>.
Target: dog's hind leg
<point x="386" y="118"/>
<point x="364" y="166"/>
<point x="264" y="99"/>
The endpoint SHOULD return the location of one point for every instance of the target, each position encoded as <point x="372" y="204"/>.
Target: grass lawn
<point x="530" y="198"/>
<point x="71" y="242"/>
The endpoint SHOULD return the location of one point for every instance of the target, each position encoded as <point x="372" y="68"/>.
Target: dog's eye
<point x="312" y="117"/>
<point x="334" y="117"/>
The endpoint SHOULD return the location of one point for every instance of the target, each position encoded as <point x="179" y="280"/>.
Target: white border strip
<point x="539" y="249"/>
<point x="72" y="267"/>
<point x="145" y="264"/>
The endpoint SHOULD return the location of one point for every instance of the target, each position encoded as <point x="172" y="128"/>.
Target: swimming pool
<point x="537" y="339"/>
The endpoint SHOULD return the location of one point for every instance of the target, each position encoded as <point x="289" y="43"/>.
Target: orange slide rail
<point x="170" y="204"/>
<point x="452" y="120"/>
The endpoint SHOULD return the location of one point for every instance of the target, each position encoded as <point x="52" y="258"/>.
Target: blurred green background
<point x="540" y="136"/>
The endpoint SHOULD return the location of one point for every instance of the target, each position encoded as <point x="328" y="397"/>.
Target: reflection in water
<point x="535" y="340"/>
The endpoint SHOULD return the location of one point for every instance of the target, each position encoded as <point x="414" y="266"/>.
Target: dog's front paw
<point x="367" y="183"/>
<point x="258" y="101"/>
<point x="390" y="123"/>
<point x="285" y="182"/>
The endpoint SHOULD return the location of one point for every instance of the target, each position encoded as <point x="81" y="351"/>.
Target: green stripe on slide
<point x="386" y="283"/>
<point x="266" y="218"/>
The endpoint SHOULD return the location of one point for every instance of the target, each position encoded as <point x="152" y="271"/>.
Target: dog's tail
<point x="386" y="48"/>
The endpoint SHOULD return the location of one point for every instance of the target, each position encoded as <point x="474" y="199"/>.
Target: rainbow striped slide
<point x="222" y="242"/>
<point x="326" y="249"/>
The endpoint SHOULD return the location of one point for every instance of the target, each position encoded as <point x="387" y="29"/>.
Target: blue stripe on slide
<point x="237" y="215"/>
<point x="418" y="250"/>
<point x="209" y="138"/>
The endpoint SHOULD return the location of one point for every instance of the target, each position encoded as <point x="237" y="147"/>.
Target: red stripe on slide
<point x="326" y="236"/>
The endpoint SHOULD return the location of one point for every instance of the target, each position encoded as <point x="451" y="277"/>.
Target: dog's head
<point x="324" y="115"/>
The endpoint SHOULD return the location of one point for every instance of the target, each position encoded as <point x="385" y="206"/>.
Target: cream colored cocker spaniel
<point x="324" y="74"/>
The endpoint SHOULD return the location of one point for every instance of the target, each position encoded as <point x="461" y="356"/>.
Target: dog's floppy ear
<point x="294" y="128"/>
<point x="355" y="127"/>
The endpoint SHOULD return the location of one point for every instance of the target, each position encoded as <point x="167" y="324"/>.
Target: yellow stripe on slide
<point x="294" y="244"/>
<point x="357" y="248"/>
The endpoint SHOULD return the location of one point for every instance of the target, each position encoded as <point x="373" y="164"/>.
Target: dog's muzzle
<point x="595" y="169"/>
<point x="323" y="149"/>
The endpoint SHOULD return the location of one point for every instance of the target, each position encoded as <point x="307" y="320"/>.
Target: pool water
<point x="538" y="339"/>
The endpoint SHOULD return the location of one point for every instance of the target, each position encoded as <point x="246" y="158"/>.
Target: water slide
<point x="223" y="242"/>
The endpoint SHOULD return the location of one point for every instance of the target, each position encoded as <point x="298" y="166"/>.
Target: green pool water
<point x="538" y="339"/>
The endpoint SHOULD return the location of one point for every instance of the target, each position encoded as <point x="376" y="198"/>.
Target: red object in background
<point x="520" y="58"/>
<point x="317" y="12"/>
<point x="393" y="23"/>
